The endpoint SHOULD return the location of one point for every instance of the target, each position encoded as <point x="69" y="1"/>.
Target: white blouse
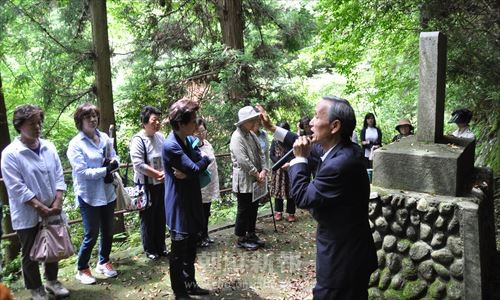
<point x="211" y="191"/>
<point x="154" y="146"/>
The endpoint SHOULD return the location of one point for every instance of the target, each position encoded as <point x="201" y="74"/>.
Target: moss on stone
<point x="437" y="290"/>
<point x="454" y="289"/>
<point x="374" y="278"/>
<point x="403" y="245"/>
<point x="442" y="271"/>
<point x="391" y="294"/>
<point x="375" y="294"/>
<point x="397" y="282"/>
<point x="385" y="279"/>
<point x="414" y="289"/>
<point x="408" y="269"/>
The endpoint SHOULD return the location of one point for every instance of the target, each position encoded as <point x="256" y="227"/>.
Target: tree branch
<point x="69" y="50"/>
<point x="175" y="10"/>
<point x="88" y="91"/>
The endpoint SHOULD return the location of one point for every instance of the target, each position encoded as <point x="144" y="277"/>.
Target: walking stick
<point x="272" y="213"/>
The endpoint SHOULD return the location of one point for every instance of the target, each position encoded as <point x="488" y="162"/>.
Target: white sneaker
<point x="85" y="276"/>
<point x="39" y="294"/>
<point x="56" y="288"/>
<point x="106" y="269"/>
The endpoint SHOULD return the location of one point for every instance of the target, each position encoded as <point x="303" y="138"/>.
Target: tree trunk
<point x="230" y="13"/>
<point x="102" y="65"/>
<point x="102" y="68"/>
<point x="13" y="247"/>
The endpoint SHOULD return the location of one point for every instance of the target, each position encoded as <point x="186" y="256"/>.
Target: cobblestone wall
<point x="420" y="247"/>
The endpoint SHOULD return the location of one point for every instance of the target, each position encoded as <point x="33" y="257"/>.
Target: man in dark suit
<point x="337" y="198"/>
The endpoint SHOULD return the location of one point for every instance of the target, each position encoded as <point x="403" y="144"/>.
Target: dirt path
<point x="283" y="270"/>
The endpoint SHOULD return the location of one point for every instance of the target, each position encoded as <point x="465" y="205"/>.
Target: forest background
<point x="227" y="54"/>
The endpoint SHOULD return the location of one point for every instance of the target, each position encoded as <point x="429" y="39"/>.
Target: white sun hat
<point x="245" y="114"/>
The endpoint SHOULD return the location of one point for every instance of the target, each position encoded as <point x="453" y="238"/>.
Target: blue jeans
<point x="95" y="219"/>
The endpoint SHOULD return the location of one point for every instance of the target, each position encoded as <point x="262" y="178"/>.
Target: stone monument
<point x="433" y="229"/>
<point x="428" y="162"/>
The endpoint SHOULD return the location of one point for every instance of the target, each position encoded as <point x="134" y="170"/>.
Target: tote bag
<point x="206" y="176"/>
<point x="130" y="198"/>
<point x="52" y="243"/>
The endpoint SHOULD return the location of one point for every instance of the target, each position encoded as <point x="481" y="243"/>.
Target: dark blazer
<point x="183" y="207"/>
<point x="338" y="200"/>
<point x="371" y="144"/>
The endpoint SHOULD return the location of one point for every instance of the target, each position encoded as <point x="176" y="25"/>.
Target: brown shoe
<point x="278" y="216"/>
<point x="291" y="218"/>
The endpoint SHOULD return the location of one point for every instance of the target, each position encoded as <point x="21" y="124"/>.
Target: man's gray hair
<point x="341" y="110"/>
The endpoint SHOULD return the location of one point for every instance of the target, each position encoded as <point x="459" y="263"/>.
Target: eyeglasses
<point x="91" y="116"/>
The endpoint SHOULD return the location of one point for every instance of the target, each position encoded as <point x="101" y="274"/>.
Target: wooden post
<point x="13" y="246"/>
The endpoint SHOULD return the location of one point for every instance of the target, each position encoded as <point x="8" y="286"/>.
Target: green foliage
<point x="294" y="52"/>
<point x="177" y="52"/>
<point x="11" y="271"/>
<point x="223" y="210"/>
<point x="375" y="45"/>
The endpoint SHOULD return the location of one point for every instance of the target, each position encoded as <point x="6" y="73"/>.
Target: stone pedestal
<point x="443" y="168"/>
<point x="431" y="246"/>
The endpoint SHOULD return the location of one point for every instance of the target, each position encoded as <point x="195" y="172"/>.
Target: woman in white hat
<point x="404" y="128"/>
<point x="248" y="167"/>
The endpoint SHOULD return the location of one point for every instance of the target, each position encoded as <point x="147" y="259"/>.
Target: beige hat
<point x="246" y="113"/>
<point x="404" y="122"/>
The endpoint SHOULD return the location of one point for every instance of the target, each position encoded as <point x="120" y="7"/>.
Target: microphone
<point x="289" y="155"/>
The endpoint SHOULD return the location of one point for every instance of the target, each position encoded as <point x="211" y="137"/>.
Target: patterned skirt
<point x="280" y="184"/>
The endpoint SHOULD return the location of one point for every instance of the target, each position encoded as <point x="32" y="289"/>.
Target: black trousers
<point x="368" y="163"/>
<point x="290" y="205"/>
<point x="31" y="271"/>
<point x="246" y="215"/>
<point x="153" y="221"/>
<point x="358" y="291"/>
<point x="182" y="257"/>
<point x="206" y="215"/>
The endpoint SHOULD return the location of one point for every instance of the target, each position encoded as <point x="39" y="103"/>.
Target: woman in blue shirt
<point x="93" y="160"/>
